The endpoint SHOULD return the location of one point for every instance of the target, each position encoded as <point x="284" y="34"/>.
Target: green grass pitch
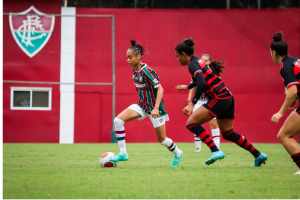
<point x="72" y="171"/>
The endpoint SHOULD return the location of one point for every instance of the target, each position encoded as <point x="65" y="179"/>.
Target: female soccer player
<point x="290" y="72"/>
<point x="150" y="104"/>
<point x="220" y="105"/>
<point x="195" y="101"/>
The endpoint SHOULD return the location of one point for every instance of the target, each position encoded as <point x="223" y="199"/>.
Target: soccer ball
<point x="105" y="158"/>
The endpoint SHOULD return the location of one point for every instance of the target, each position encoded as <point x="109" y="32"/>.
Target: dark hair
<point x="217" y="67"/>
<point x="137" y="48"/>
<point x="279" y="45"/>
<point x="187" y="46"/>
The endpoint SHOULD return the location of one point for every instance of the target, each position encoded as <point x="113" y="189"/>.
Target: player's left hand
<point x="155" y="113"/>
<point x="276" y="117"/>
<point x="181" y="87"/>
<point x="188" y="109"/>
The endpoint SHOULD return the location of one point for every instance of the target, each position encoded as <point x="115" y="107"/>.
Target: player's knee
<point x="281" y="136"/>
<point x="229" y="135"/>
<point x="118" y="124"/>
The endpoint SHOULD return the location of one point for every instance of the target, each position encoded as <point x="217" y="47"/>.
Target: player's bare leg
<point x="290" y="128"/>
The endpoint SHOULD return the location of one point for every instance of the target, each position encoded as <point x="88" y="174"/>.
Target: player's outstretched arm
<point x="290" y="98"/>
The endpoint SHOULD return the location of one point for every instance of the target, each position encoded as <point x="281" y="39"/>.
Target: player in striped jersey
<point x="290" y="72"/>
<point x="197" y="100"/>
<point x="220" y="105"/>
<point x="150" y="104"/>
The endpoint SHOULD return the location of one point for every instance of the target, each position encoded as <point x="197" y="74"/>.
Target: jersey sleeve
<point x="289" y="75"/>
<point x="191" y="84"/>
<point x="296" y="70"/>
<point x="152" y="77"/>
<point x="197" y="75"/>
<point x="193" y="68"/>
<point x="200" y="82"/>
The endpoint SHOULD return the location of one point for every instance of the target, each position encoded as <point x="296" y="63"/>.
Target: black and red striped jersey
<point x="207" y="81"/>
<point x="290" y="72"/>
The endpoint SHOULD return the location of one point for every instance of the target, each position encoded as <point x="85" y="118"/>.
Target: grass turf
<point x="72" y="171"/>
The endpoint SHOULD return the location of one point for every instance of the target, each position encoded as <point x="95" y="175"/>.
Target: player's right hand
<point x="188" y="109"/>
<point x="276" y="117"/>
<point x="181" y="87"/>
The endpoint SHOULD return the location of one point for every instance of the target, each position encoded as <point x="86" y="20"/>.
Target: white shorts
<point x="199" y="103"/>
<point x="156" y="122"/>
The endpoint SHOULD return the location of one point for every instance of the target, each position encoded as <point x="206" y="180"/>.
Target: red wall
<point x="93" y="118"/>
<point x="239" y="37"/>
<point x="31" y="126"/>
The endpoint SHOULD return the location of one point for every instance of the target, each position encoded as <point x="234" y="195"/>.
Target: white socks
<point x="122" y="146"/>
<point x="197" y="142"/>
<point x="168" y="142"/>
<point x="120" y="134"/>
<point x="215" y="133"/>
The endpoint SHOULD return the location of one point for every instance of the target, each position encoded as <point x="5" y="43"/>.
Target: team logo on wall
<point x="31" y="29"/>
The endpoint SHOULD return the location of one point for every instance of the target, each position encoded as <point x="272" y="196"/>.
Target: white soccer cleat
<point x="297" y="172"/>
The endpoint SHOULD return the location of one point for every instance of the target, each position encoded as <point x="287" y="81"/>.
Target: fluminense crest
<point x="31" y="29"/>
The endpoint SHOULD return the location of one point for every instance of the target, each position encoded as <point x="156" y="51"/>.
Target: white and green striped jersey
<point x="146" y="82"/>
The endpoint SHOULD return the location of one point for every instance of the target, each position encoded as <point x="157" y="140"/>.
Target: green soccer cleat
<point x="261" y="159"/>
<point x="119" y="157"/>
<point x="218" y="155"/>
<point x="176" y="160"/>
